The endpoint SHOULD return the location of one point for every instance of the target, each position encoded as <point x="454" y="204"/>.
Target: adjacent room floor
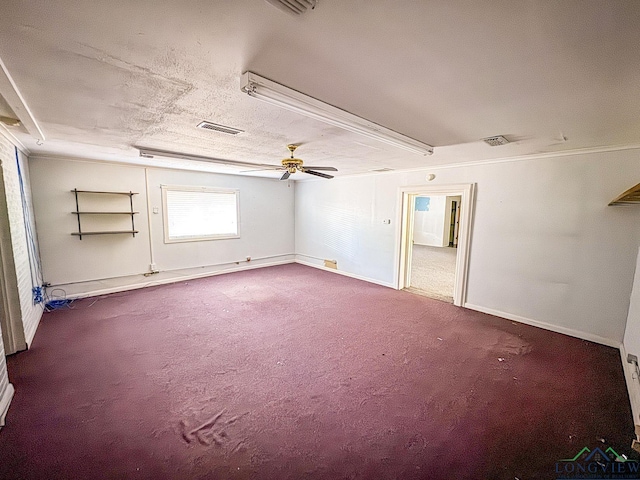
<point x="294" y="373"/>
<point x="433" y="271"/>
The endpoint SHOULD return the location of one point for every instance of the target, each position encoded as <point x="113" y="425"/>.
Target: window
<point x="199" y="213"/>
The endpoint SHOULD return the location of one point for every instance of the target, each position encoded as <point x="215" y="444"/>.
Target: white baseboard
<point x="173" y="279"/>
<point x="633" y="387"/>
<point x="346" y="274"/>
<point x="5" y="401"/>
<point x="547" y="326"/>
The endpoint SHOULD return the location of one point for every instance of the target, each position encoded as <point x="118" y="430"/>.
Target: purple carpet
<point x="294" y="373"/>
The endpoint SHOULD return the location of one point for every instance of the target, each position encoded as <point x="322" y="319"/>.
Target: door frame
<point x="406" y="196"/>
<point x="10" y="311"/>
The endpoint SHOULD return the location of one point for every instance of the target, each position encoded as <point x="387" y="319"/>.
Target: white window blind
<point x="199" y="213"/>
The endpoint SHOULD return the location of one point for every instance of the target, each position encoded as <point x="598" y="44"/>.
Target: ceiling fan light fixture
<point x="279" y="95"/>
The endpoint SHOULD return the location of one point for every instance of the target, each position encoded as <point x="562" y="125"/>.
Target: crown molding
<point x="489" y="161"/>
<point x="4" y="131"/>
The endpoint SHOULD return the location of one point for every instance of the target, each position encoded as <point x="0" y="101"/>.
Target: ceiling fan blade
<point x="285" y="175"/>
<point x="317" y="174"/>
<point x="330" y="169"/>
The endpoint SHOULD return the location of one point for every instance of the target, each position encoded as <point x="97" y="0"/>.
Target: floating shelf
<point x="104" y="193"/>
<point x="105" y="232"/>
<point x="630" y="197"/>
<point x="79" y="213"/>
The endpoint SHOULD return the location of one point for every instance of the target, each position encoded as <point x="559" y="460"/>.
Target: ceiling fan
<point x="289" y="165"/>
<point x="292" y="165"/>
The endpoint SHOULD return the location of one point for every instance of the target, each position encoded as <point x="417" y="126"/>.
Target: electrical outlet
<point x="387" y="221"/>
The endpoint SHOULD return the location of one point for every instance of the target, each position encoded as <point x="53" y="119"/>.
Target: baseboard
<point x="5" y="401"/>
<point x="346" y="274"/>
<point x="547" y="326"/>
<point x="174" y="279"/>
<point x="633" y="387"/>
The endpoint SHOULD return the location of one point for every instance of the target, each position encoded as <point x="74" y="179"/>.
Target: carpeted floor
<point x="433" y="271"/>
<point x="294" y="373"/>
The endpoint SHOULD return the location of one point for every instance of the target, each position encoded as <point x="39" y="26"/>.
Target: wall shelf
<point x="104" y="192"/>
<point x="630" y="197"/>
<point x="106" y="232"/>
<point x="79" y="213"/>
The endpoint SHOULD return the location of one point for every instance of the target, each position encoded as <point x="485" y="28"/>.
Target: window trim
<point x="191" y="188"/>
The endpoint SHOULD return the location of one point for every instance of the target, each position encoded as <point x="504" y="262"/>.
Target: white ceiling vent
<point x="219" y="128"/>
<point x="495" y="141"/>
<point x="294" y="7"/>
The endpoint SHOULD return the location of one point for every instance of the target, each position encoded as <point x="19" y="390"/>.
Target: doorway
<point x="434" y="234"/>
<point x="433" y="246"/>
<point x="10" y="315"/>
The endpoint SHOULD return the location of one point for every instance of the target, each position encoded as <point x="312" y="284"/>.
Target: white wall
<point x="266" y="221"/>
<point x="98" y="264"/>
<point x="429" y="225"/>
<point x="545" y="246"/>
<point x="20" y="275"/>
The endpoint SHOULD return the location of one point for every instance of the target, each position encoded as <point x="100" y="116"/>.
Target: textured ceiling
<point x="101" y="77"/>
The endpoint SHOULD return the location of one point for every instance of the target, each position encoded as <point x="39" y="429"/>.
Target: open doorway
<point x="436" y="220"/>
<point x="434" y="241"/>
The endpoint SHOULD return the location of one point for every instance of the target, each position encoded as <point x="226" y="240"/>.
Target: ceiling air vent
<point x="294" y="7"/>
<point x="219" y="128"/>
<point x="495" y="141"/>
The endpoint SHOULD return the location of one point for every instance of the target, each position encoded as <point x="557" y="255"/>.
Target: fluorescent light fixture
<point x="281" y="96"/>
<point x="150" y="153"/>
